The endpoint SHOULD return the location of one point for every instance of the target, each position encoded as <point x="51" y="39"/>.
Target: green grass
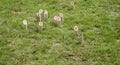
<point x="99" y="20"/>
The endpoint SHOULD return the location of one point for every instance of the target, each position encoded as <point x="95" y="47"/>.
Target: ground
<point x="99" y="20"/>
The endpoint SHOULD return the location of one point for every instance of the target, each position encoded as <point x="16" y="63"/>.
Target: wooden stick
<point x="38" y="17"/>
<point x="57" y="20"/>
<point x="81" y="38"/>
<point x="40" y="26"/>
<point x="72" y="5"/>
<point x="25" y="24"/>
<point x="75" y="30"/>
<point x="61" y="16"/>
<point x="40" y="11"/>
<point x="45" y="14"/>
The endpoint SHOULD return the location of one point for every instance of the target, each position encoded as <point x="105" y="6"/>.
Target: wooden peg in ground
<point x="25" y="24"/>
<point x="81" y="38"/>
<point x="72" y="5"/>
<point x="57" y="20"/>
<point x="40" y="26"/>
<point x="40" y="11"/>
<point x="61" y="16"/>
<point x="45" y="14"/>
<point x="75" y="30"/>
<point x="38" y="17"/>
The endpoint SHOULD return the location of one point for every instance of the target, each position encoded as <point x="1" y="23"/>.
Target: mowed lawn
<point x="99" y="20"/>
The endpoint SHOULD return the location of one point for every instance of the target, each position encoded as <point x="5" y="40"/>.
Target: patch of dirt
<point x="118" y="40"/>
<point x="16" y="11"/>
<point x="73" y="57"/>
<point x="33" y="52"/>
<point x="55" y="47"/>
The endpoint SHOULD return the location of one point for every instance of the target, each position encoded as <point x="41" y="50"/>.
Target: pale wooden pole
<point x="25" y="24"/>
<point x="40" y="26"/>
<point x="72" y="5"/>
<point x="81" y="38"/>
<point x="75" y="30"/>
<point x="45" y="14"/>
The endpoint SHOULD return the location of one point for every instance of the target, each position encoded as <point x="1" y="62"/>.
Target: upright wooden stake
<point x="72" y="5"/>
<point x="45" y="14"/>
<point x="40" y="11"/>
<point x="75" y="30"/>
<point x="38" y="17"/>
<point x="57" y="20"/>
<point x="61" y="16"/>
<point x="25" y="24"/>
<point x="40" y="26"/>
<point x="81" y="38"/>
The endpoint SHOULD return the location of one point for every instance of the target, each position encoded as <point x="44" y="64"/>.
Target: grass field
<point x="99" y="20"/>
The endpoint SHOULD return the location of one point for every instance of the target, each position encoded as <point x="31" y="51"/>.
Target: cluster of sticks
<point x="80" y="36"/>
<point x="39" y="17"/>
<point x="58" y="20"/>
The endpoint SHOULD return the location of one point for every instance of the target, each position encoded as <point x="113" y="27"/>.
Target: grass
<point x="99" y="20"/>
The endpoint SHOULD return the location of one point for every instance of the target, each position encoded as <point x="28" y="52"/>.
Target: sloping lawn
<point x="99" y="20"/>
